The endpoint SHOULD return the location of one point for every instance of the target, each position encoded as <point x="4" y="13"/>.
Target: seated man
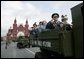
<point x="54" y="23"/>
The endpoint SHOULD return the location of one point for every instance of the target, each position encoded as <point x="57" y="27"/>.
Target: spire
<point x="15" y="20"/>
<point x="26" y="25"/>
<point x="10" y="27"/>
<point x="26" y="21"/>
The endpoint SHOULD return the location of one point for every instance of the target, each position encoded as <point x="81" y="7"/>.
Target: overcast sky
<point x="33" y="11"/>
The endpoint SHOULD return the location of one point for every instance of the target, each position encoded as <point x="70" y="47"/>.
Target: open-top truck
<point x="53" y="43"/>
<point x="61" y="43"/>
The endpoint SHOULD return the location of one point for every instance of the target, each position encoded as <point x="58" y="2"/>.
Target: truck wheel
<point x="19" y="45"/>
<point x="38" y="55"/>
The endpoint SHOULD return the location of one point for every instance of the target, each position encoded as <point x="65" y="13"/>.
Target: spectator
<point x="44" y="24"/>
<point x="35" y="25"/>
<point x="32" y="32"/>
<point x="34" y="28"/>
<point x="6" y="44"/>
<point x="40" y="26"/>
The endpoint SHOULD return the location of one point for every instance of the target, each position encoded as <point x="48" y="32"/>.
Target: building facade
<point x="16" y="31"/>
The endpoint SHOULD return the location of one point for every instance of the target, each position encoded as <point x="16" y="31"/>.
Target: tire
<point x="19" y="45"/>
<point x="38" y="55"/>
<point x="41" y="55"/>
<point x="47" y="55"/>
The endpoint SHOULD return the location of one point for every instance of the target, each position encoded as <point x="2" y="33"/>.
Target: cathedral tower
<point x="26" y="28"/>
<point x="15" y="28"/>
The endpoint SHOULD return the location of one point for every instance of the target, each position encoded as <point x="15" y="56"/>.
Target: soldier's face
<point x="55" y="17"/>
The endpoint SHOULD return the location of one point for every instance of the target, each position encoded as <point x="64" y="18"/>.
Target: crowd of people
<point x="54" y="23"/>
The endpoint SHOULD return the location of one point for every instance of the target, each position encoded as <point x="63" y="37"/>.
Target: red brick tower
<point x="13" y="33"/>
<point x="26" y="29"/>
<point x="14" y="29"/>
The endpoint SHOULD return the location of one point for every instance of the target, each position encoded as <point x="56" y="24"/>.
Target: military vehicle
<point x="62" y="43"/>
<point x="22" y="42"/>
